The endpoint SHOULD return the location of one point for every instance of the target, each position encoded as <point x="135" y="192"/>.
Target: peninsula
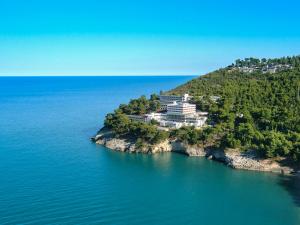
<point x="245" y="115"/>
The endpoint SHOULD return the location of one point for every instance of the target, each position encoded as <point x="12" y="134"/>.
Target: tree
<point x="276" y="144"/>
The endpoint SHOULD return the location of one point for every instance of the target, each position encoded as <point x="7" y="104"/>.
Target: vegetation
<point x="124" y="127"/>
<point x="192" y="136"/>
<point x="259" y="111"/>
<point x="143" y="133"/>
<point x="249" y="62"/>
<point x="141" y="105"/>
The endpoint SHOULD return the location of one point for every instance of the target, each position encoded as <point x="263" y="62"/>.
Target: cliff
<point x="231" y="157"/>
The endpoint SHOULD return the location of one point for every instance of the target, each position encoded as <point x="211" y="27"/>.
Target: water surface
<point x="52" y="174"/>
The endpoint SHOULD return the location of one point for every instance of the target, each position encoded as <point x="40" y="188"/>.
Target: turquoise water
<point x="50" y="173"/>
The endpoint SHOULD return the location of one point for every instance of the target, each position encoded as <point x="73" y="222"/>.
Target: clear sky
<point x="139" y="37"/>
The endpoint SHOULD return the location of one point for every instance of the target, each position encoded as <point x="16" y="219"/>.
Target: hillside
<point x="255" y="111"/>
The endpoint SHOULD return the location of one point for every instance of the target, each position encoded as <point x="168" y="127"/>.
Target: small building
<point x="138" y="118"/>
<point x="171" y="124"/>
<point x="246" y="69"/>
<point x="155" y="116"/>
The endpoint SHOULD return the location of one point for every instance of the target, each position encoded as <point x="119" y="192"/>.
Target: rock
<point x="117" y="144"/>
<point x="131" y="148"/>
<point x="96" y="138"/>
<point x="178" y="147"/>
<point x="100" y="142"/>
<point x="216" y="154"/>
<point x="232" y="157"/>
<point x="195" y="151"/>
<point x="210" y="157"/>
<point x="161" y="147"/>
<point x="250" y="161"/>
<point x="190" y="150"/>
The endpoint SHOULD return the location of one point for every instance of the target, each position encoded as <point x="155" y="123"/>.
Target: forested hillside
<point x="247" y="110"/>
<point x="256" y="110"/>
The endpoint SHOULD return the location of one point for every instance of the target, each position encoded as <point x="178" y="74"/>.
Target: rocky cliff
<point x="231" y="157"/>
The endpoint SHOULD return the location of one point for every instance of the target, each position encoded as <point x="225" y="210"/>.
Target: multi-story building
<point x="169" y="99"/>
<point x="178" y="113"/>
<point x="183" y="114"/>
<point x="181" y="108"/>
<point x="197" y="121"/>
<point x="148" y="117"/>
<point x="155" y="116"/>
<point x="177" y="121"/>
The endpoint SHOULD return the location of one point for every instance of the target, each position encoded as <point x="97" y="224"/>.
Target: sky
<point x="139" y="37"/>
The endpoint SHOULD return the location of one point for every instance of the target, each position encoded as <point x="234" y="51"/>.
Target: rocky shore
<point x="231" y="157"/>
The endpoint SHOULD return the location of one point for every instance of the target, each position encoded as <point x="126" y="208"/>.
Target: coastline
<point x="231" y="157"/>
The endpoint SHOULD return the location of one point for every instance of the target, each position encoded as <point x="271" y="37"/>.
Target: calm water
<point x="52" y="174"/>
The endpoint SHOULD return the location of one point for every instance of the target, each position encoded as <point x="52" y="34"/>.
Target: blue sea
<point x="50" y="172"/>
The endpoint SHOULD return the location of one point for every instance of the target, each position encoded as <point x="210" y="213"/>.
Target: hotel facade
<point x="178" y="113"/>
<point x="165" y="100"/>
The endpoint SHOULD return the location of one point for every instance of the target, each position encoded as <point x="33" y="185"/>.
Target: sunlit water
<point x="50" y="172"/>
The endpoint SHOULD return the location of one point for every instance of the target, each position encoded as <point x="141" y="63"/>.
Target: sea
<point x="51" y="173"/>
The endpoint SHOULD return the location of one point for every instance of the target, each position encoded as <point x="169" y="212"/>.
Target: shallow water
<point x="52" y="174"/>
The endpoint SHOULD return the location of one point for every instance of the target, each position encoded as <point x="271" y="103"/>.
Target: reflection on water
<point x="292" y="185"/>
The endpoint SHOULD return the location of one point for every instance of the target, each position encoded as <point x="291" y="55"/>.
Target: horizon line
<point x="103" y="75"/>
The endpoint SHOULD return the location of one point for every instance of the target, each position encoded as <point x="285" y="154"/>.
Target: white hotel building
<point x="181" y="108"/>
<point x="165" y="100"/>
<point x="179" y="113"/>
<point x="183" y="114"/>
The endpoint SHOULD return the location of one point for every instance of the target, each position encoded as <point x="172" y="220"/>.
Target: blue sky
<point x="139" y="37"/>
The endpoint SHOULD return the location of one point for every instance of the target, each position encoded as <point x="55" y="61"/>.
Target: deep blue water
<point x="50" y="173"/>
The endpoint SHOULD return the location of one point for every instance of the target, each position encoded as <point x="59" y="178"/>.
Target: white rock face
<point x="117" y="144"/>
<point x="190" y="150"/>
<point x="126" y="146"/>
<point x="161" y="147"/>
<point x="232" y="158"/>
<point x="249" y="161"/>
<point x="195" y="151"/>
<point x="244" y="162"/>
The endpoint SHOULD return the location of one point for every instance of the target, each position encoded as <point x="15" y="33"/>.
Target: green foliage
<point x="248" y="62"/>
<point x="256" y="110"/>
<point x="295" y="151"/>
<point x="188" y="134"/>
<point x="139" y="143"/>
<point x="276" y="144"/>
<point x="141" y="105"/>
<point x="118" y="122"/>
<point x="124" y="127"/>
